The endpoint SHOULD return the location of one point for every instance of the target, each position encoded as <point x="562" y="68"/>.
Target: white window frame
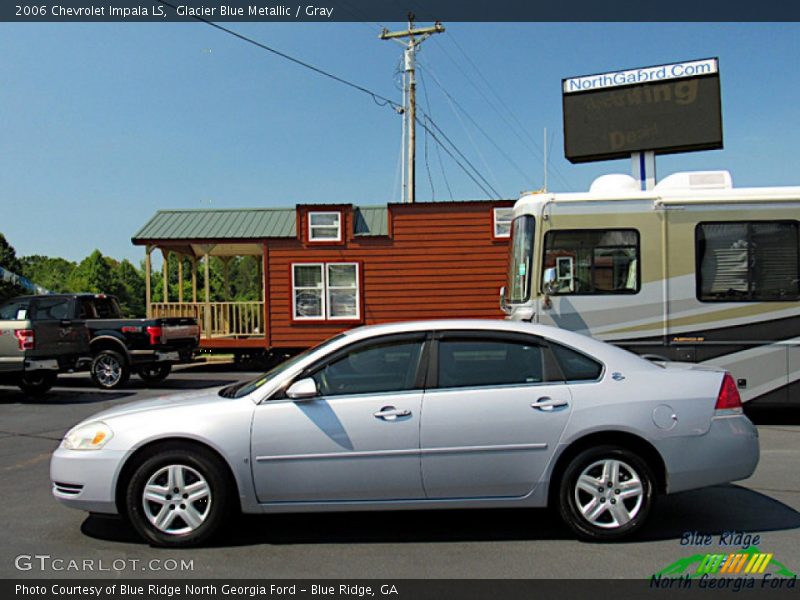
<point x="311" y="228"/>
<point x="325" y="289"/>
<point x="323" y="294"/>
<point x="495" y="221"/>
<point x="357" y="316"/>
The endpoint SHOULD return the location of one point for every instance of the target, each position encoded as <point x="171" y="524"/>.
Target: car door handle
<point x="547" y="404"/>
<point x="390" y="413"/>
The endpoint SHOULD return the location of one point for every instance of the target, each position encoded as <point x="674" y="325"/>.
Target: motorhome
<point x="693" y="270"/>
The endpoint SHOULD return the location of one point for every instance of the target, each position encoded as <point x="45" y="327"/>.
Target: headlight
<point x="88" y="437"/>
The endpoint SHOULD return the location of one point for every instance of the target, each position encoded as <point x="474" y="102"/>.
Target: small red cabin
<point x="329" y="267"/>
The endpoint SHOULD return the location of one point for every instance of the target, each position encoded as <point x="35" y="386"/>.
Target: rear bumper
<point x="727" y="452"/>
<point x="85" y="479"/>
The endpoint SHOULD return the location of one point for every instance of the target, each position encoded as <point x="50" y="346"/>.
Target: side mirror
<point x="302" y="389"/>
<point x="549" y="285"/>
<point x="503" y="303"/>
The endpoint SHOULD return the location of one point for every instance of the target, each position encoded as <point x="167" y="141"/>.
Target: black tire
<point x="155" y="372"/>
<point x="212" y="509"/>
<point x="574" y="500"/>
<point x="110" y="370"/>
<point x="37" y="383"/>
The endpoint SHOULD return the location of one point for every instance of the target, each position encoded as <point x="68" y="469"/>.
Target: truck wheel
<point x="37" y="383"/>
<point x="110" y="370"/>
<point x="155" y="372"/>
<point x="606" y="493"/>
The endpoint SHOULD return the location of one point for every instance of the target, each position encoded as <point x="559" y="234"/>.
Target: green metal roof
<point x="371" y="220"/>
<point x="245" y="223"/>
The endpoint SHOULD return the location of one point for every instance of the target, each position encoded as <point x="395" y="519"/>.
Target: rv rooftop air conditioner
<point x="615" y="183"/>
<point x="699" y="180"/>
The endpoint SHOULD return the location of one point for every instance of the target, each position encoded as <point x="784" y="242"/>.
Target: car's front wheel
<point x="606" y="493"/>
<point x="178" y="497"/>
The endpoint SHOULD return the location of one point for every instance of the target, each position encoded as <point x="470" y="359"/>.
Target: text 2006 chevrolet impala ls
<point x="431" y="414"/>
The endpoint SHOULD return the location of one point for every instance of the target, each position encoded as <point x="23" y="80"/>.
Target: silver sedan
<point x="431" y="414"/>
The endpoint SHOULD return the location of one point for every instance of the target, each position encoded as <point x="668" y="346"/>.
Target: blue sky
<point x="103" y="124"/>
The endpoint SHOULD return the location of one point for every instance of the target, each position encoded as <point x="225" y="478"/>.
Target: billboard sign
<point x="665" y="108"/>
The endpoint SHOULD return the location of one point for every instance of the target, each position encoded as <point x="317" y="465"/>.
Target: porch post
<point x="207" y="308"/>
<point x="180" y="278"/>
<point x="227" y="308"/>
<point x="165" y="273"/>
<point x="147" y="284"/>
<point x="194" y="279"/>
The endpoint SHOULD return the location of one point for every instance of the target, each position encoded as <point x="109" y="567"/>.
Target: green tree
<point x="93" y="274"/>
<point x="51" y="273"/>
<point x="10" y="262"/>
<point x="129" y="289"/>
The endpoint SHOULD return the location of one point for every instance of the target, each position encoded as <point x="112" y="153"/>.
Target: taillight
<point x="25" y="338"/>
<point x="728" y="398"/>
<point x="154" y="332"/>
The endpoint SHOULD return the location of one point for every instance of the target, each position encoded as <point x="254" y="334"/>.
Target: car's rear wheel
<point x="606" y="493"/>
<point x="178" y="497"/>
<point x="155" y="372"/>
<point x="110" y="370"/>
<point x="36" y="383"/>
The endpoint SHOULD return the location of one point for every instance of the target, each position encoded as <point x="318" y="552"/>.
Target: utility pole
<point x="415" y="38"/>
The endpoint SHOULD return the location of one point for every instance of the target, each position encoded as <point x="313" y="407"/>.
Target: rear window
<point x="106" y="308"/>
<point x="481" y="362"/>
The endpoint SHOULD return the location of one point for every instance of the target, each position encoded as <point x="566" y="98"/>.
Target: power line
<point x="377" y="98"/>
<point x="450" y="154"/>
<point x="461" y="154"/>
<point x="458" y="105"/>
<point x="438" y="150"/>
<point x="502" y="102"/>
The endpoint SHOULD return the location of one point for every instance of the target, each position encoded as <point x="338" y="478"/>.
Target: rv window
<point x="520" y="260"/>
<point x="753" y="261"/>
<point x="593" y="261"/>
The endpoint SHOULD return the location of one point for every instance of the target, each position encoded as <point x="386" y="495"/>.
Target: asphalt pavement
<point x="41" y="538"/>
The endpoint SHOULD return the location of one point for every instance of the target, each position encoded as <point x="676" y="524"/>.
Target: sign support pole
<point x="643" y="169"/>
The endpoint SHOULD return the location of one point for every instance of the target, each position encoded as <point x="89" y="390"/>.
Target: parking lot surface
<point x="42" y="538"/>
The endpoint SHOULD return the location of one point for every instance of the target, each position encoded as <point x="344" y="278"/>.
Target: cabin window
<point x="325" y="226"/>
<point x="501" y="220"/>
<point x="755" y="261"/>
<point x="325" y="291"/>
<point x="591" y="262"/>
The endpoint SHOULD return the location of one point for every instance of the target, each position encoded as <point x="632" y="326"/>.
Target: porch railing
<point x="217" y="319"/>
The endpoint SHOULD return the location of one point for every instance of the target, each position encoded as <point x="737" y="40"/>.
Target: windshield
<point x="238" y="390"/>
<point x="520" y="260"/>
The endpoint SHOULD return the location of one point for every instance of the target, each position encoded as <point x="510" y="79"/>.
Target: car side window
<point x="574" y="365"/>
<point x="49" y="309"/>
<point x="14" y="311"/>
<point x="384" y="367"/>
<point x="488" y="362"/>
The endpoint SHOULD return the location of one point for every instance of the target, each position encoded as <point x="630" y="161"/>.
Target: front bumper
<point x="727" y="452"/>
<point x="85" y="479"/>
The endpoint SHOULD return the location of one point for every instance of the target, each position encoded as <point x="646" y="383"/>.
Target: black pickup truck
<point x="120" y="347"/>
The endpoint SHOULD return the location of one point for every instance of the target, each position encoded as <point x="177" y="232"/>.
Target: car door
<point x="493" y="413"/>
<point x="358" y="440"/>
<point x="58" y="332"/>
